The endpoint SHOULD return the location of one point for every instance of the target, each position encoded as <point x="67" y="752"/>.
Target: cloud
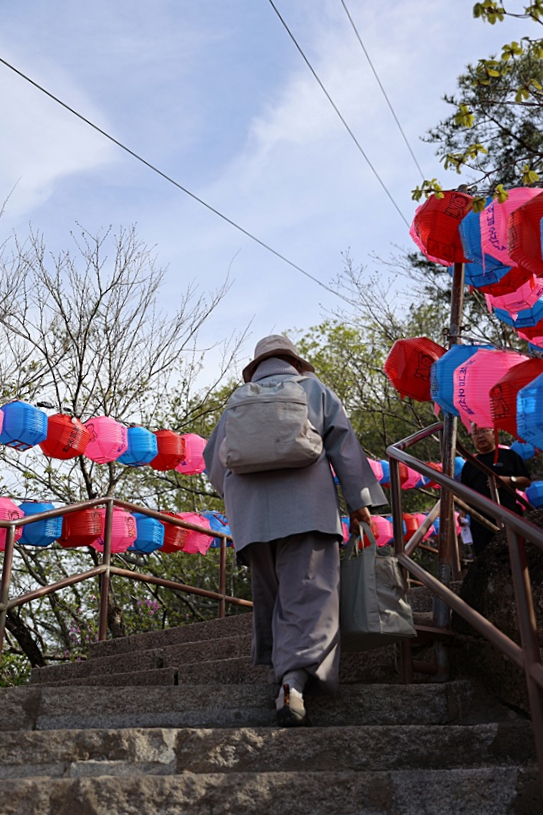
<point x="40" y="142"/>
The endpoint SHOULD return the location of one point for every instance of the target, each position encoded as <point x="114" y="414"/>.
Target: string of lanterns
<point x="131" y="532"/>
<point x="100" y="439"/>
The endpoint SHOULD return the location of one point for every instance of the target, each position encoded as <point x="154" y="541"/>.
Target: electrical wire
<point x="177" y="184"/>
<point x="353" y="137"/>
<point x="389" y="103"/>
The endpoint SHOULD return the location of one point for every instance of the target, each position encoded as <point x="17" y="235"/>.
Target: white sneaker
<point x="290" y="708"/>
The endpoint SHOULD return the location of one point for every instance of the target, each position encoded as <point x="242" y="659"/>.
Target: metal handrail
<point x="105" y="570"/>
<point x="526" y="656"/>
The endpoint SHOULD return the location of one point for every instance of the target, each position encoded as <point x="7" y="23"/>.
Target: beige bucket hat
<point x="273" y="346"/>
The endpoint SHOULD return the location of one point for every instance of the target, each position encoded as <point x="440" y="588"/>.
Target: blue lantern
<point x="458" y="467"/>
<point x="525" y="451"/>
<point x="386" y="473"/>
<point x="218" y="523"/>
<point x="142" y="447"/>
<point x="484" y="269"/>
<point x="24" y="425"/>
<point x="530" y="412"/>
<point x="441" y="374"/>
<point x="40" y="533"/>
<point x="526" y="318"/>
<point x="534" y="493"/>
<point x="149" y="534"/>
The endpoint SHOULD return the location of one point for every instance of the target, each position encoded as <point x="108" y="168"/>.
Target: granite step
<point x="235" y="625"/>
<point x="46" y="708"/>
<point x="171" y="656"/>
<point x="172" y="751"/>
<point x="494" y="790"/>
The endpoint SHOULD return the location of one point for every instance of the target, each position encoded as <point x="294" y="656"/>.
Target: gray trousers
<point x="295" y="584"/>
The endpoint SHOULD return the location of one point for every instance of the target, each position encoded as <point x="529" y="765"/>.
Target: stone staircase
<point x="179" y="721"/>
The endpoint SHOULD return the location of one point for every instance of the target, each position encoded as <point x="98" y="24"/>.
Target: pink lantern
<point x="494" y="224"/>
<point x="377" y="468"/>
<point x="382" y="530"/>
<point x="345" y="529"/>
<point x="108" y="439"/>
<point x="412" y="479"/>
<point x="194" y="455"/>
<point x="474" y="379"/>
<point x="1" y="420"/>
<point x="523" y="298"/>
<point x="9" y="511"/>
<point x="420" y="518"/>
<point x="123" y="531"/>
<point x="196" y="542"/>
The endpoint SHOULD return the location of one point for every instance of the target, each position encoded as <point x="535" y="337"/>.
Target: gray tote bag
<point x="373" y="599"/>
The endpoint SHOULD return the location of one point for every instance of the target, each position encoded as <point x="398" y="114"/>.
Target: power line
<point x="382" y="88"/>
<point x="176" y="183"/>
<point x="351" y="134"/>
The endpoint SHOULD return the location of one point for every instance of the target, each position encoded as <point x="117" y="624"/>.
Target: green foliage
<point x="495" y="133"/>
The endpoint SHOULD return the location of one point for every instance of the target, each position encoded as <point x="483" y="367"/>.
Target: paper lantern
<point x="483" y="269"/>
<point x="411" y="523"/>
<point x="534" y="493"/>
<point x="382" y="529"/>
<point x="385" y="478"/>
<point x="442" y="374"/>
<point x="524" y="234"/>
<point x="345" y="529"/>
<point x="40" y="533"/>
<point x="123" y="531"/>
<point x="408" y="366"/>
<point x="66" y="438"/>
<point x="421" y="517"/>
<point x="530" y="412"/>
<point x="196" y="542"/>
<point x="108" y="439"/>
<point x="219" y="523"/>
<point x="494" y="224"/>
<point x="473" y="381"/>
<point x="376" y="468"/>
<point x="522" y="319"/>
<point x="171" y="450"/>
<point x="435" y="227"/>
<point x="9" y="511"/>
<point x="503" y="395"/>
<point x="24" y="426"/>
<point x="525" y="297"/>
<point x="458" y="467"/>
<point x="149" y="534"/>
<point x="174" y="536"/>
<point x="438" y="467"/>
<point x="81" y="528"/>
<point x="194" y="455"/>
<point x="142" y="447"/>
<point x="524" y="450"/>
<point x="411" y="479"/>
<point x="508" y="284"/>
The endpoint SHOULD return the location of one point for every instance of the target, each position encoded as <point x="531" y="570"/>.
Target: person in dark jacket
<point x="510" y="469"/>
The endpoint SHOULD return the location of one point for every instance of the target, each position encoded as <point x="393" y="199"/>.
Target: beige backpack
<point x="267" y="427"/>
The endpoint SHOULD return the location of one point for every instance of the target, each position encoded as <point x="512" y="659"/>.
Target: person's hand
<point x="357" y="517"/>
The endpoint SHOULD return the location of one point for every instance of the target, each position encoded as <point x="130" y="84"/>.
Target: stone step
<point x="171" y="656"/>
<point x="237" y="624"/>
<point x="481" y="791"/>
<point x="45" y="708"/>
<point x="160" y="751"/>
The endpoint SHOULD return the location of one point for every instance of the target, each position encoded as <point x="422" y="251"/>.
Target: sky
<point x="215" y="94"/>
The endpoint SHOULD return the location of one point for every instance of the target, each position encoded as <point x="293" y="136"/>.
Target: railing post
<point x="222" y="578"/>
<point x="6" y="580"/>
<point x="105" y="579"/>
<point x="528" y="636"/>
<point x="406" y="659"/>
<point x="448" y="561"/>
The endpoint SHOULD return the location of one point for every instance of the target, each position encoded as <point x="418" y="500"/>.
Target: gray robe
<point x="262" y="507"/>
